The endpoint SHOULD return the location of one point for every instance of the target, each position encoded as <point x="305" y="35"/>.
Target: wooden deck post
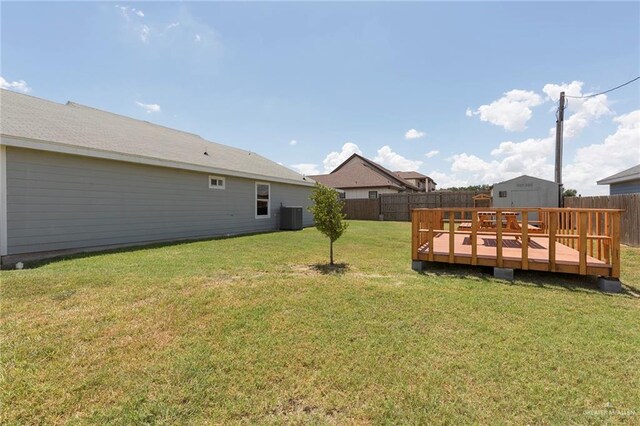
<point x="474" y="238"/>
<point x="615" y="244"/>
<point x="525" y="240"/>
<point x="583" y="227"/>
<point x="415" y="234"/>
<point x="452" y="236"/>
<point x="553" y="227"/>
<point x="499" y="261"/>
<point x="430" y="225"/>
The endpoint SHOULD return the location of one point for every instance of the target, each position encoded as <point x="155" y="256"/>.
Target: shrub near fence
<point x="397" y="207"/>
<point x="630" y="220"/>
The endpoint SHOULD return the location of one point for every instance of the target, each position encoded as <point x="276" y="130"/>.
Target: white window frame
<point x="224" y="182"/>
<point x="255" y="202"/>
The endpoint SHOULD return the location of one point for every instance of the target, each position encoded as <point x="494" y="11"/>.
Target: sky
<point x="464" y="92"/>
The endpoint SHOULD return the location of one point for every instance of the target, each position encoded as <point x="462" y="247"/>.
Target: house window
<point x="262" y="200"/>
<point x="342" y="194"/>
<point x="373" y="195"/>
<point x="502" y="194"/>
<point x="216" y="182"/>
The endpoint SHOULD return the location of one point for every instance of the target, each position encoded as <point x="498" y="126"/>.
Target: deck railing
<point x="593" y="235"/>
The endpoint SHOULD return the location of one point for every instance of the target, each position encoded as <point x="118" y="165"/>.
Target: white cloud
<point x="582" y="111"/>
<point x="334" y="159"/>
<point x="306" y="169"/>
<point x="448" y="180"/>
<point x="468" y="112"/>
<point x="197" y="38"/>
<point x="173" y="25"/>
<point x="18" y="85"/>
<point x="414" y="134"/>
<point x="126" y="11"/>
<point x="619" y="151"/>
<point x="511" y="112"/>
<point x="149" y="108"/>
<point x="432" y="153"/>
<point x="144" y="31"/>
<point x="293" y="142"/>
<point x="395" y="161"/>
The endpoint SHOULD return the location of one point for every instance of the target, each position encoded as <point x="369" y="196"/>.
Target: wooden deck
<point x="579" y="241"/>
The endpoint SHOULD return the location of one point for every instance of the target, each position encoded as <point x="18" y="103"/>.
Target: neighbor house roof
<point x="412" y="175"/>
<point x="360" y="172"/>
<point x="624" y="176"/>
<point x="30" y="122"/>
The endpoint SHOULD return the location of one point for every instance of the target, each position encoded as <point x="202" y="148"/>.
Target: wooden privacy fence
<point x="578" y="241"/>
<point x="362" y="209"/>
<point x="396" y="207"/>
<point x="630" y="219"/>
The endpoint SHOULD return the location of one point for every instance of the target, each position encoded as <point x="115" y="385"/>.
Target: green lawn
<point x="247" y="330"/>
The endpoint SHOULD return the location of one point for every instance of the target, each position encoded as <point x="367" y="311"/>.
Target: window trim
<point x="373" y="198"/>
<point x="224" y="182"/>
<point x="342" y="195"/>
<point x="255" y="202"/>
<point x="500" y="194"/>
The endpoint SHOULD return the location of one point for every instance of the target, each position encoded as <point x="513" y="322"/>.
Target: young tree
<point x="570" y="193"/>
<point x="327" y="212"/>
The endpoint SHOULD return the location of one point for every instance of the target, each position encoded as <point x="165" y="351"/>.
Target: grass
<point x="257" y="329"/>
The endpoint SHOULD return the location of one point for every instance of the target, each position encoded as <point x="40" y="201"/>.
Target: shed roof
<point x="75" y="128"/>
<point x="632" y="173"/>
<point x="527" y="177"/>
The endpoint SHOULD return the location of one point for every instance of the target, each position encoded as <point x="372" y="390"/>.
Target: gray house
<point x="625" y="182"/>
<point x="526" y="191"/>
<point x="74" y="178"/>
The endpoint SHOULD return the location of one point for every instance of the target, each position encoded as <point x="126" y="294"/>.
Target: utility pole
<point x="559" y="130"/>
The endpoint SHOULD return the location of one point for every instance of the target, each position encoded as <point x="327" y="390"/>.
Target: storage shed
<point x="74" y="178"/>
<point x="526" y="191"/>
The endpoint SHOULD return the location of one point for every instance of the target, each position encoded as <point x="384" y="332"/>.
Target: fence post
<point x="553" y="227"/>
<point x="499" y="238"/>
<point x="525" y="240"/>
<point x="615" y="245"/>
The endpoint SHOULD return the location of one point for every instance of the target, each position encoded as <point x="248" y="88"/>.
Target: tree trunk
<point x="331" y="252"/>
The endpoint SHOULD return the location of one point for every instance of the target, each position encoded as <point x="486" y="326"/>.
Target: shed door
<point x="525" y="198"/>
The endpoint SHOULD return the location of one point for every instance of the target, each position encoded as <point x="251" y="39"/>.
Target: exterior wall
<point x="60" y="201"/>
<point x="364" y="192"/>
<point x="630" y="187"/>
<point x="526" y="191"/>
<point x="431" y="186"/>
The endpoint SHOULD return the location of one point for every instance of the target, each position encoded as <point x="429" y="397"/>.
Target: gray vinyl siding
<point x="58" y="201"/>
<point x="630" y="187"/>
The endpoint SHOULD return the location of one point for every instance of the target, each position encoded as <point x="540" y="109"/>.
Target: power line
<point x="606" y="91"/>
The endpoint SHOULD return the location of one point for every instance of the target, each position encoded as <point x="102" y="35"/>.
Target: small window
<point x="502" y="194"/>
<point x="342" y="195"/>
<point x="216" y="182"/>
<point x="373" y="195"/>
<point x="262" y="200"/>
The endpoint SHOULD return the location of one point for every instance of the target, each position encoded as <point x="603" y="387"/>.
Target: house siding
<point x="364" y="192"/>
<point x="629" y="187"/>
<point x="59" y="201"/>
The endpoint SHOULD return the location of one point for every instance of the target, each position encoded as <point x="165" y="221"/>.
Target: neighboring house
<point x="424" y="183"/>
<point x="526" y="191"/>
<point x="625" y="182"/>
<point x="74" y="178"/>
<point x="359" y="177"/>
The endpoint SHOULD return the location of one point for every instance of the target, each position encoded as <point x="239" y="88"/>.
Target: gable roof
<point x="360" y="172"/>
<point x="528" y="177"/>
<point x="30" y="122"/>
<point x="632" y="173"/>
